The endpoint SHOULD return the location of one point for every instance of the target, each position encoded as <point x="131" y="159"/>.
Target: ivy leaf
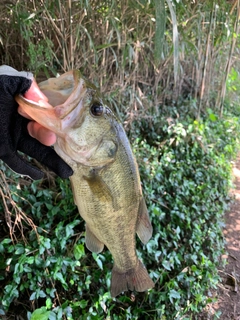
<point x="79" y="251"/>
<point x="59" y="276"/>
<point x="40" y="314"/>
<point x="173" y="294"/>
<point x="166" y="264"/>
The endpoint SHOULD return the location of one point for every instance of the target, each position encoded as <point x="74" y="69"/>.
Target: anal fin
<point x="92" y="242"/>
<point x="144" y="226"/>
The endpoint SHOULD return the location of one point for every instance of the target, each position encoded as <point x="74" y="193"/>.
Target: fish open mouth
<point x="65" y="95"/>
<point x="59" y="89"/>
<point x="62" y="92"/>
<point x="69" y="97"/>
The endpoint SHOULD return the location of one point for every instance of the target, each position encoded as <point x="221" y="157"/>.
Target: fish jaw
<point x="57" y="118"/>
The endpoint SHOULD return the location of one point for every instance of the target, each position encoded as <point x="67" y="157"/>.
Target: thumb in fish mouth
<point x="37" y="131"/>
<point x="34" y="93"/>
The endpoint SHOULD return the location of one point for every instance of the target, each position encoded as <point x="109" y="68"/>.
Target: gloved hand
<point x="14" y="135"/>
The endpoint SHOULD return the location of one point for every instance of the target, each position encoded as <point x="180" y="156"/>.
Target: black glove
<point x="13" y="130"/>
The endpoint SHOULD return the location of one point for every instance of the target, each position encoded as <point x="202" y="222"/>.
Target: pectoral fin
<point x="144" y="226"/>
<point x="92" y="242"/>
<point x="99" y="188"/>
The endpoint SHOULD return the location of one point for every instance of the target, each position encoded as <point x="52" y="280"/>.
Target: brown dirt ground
<point x="228" y="293"/>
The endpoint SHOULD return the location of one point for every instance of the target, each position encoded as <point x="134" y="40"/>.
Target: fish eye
<point x="96" y="109"/>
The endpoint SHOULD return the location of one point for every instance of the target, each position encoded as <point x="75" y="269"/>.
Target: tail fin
<point x="135" y="279"/>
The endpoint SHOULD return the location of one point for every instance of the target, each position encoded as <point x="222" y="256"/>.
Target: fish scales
<point x="119" y="240"/>
<point x="106" y="184"/>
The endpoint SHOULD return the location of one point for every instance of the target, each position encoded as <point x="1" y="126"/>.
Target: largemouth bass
<point x="106" y="183"/>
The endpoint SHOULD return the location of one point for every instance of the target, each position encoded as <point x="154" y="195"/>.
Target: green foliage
<point x="189" y="170"/>
<point x="185" y="167"/>
<point x="185" y="163"/>
<point x="161" y="50"/>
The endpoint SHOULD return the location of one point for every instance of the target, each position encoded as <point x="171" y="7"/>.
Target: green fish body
<point x="106" y="183"/>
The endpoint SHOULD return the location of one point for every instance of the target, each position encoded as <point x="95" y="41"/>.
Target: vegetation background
<point x="169" y="69"/>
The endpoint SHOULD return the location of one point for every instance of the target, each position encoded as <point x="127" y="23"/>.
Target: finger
<point x="40" y="133"/>
<point x="34" y="93"/>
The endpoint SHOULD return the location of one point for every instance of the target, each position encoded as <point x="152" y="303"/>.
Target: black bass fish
<point x="106" y="183"/>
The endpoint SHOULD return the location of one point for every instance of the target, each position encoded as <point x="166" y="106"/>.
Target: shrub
<point x="185" y="174"/>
